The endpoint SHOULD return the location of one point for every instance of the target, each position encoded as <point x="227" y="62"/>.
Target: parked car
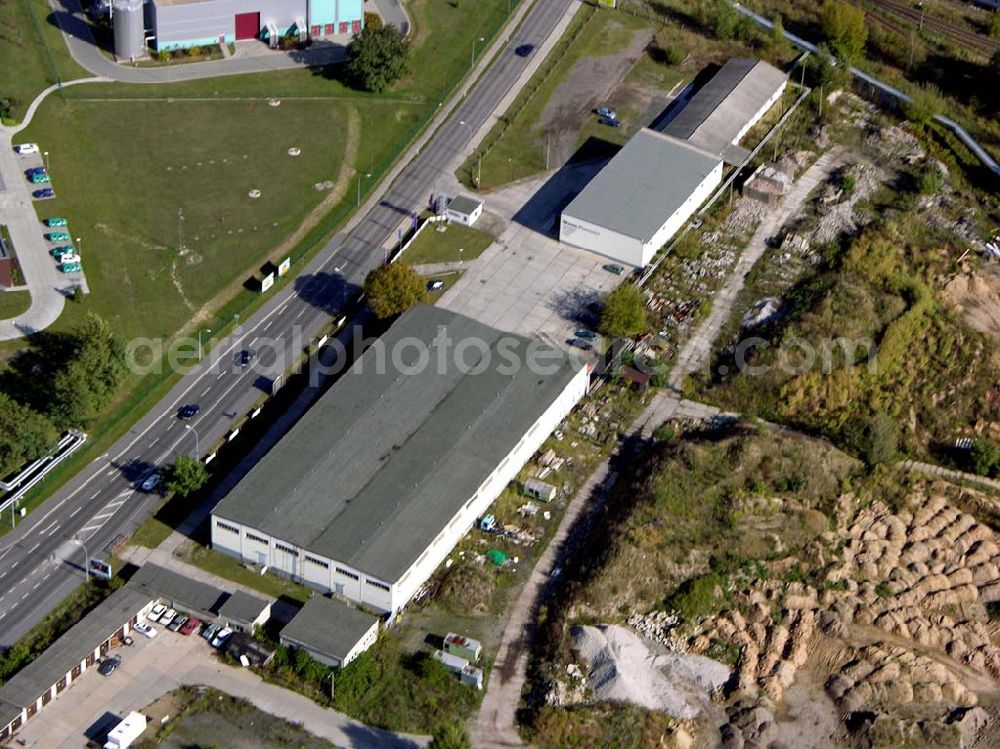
<point x="523" y="50"/>
<point x="56" y="221"/>
<point x="58" y="236"/>
<point x="145" y="629"/>
<point x="581" y="344"/>
<point x="188" y="412"/>
<point x="610" y="121"/>
<point x="607" y="112"/>
<point x="210" y="631"/>
<point x="34" y="170"/>
<point x="69" y="258"/>
<point x="58" y="252"/>
<point x="151" y="482"/>
<point x="435" y="285"/>
<point x="588" y="334"/>
<point x="243" y="358"/>
<point x="614" y="268"/>
<point x="178" y="622"/>
<point x="168" y="616"/>
<point x="156" y="612"/>
<point x="44" y="193"/>
<point x="40" y="179"/>
<point x="109" y="665"/>
<point x="25" y="148"/>
<point x="70" y="267"/>
<point x="191" y="625"/>
<point x="221" y="636"/>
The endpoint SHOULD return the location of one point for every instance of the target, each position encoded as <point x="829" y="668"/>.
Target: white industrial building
<point x="639" y="200"/>
<point x="657" y="181"/>
<point x="375" y="485"/>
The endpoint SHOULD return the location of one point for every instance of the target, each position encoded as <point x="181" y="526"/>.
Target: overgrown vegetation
<point x="393" y="288"/>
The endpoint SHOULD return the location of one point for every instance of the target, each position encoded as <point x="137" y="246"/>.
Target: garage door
<point x="247" y="25"/>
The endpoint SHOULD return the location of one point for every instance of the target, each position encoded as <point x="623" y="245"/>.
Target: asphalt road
<point x="39" y="565"/>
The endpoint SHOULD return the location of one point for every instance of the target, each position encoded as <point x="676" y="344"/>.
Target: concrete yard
<point x="151" y="668"/>
<point x="527" y="282"/>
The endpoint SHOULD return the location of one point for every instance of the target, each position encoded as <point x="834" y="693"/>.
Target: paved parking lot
<point x="527" y="282"/>
<point x="151" y="668"/>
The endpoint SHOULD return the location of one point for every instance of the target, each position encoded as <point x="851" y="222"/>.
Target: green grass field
<point x="13" y="303"/>
<point x="455" y="243"/>
<point x="32" y="53"/>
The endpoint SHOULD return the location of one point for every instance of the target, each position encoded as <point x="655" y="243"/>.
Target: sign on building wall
<point x="100" y="568"/>
<point x="284" y="266"/>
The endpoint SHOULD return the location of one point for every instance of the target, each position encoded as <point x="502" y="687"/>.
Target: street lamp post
<point x="367" y="175"/>
<point x="921" y="6"/>
<point x="479" y="167"/>
<point x="46" y="155"/>
<point x="86" y="554"/>
<point x="197" y="446"/>
<point x="474" y="42"/>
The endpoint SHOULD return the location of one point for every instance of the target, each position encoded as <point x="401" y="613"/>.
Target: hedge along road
<point x="101" y="504"/>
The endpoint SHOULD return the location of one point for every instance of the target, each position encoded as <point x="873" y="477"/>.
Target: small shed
<point x="638" y="380"/>
<point x="130" y="728"/>
<point x="243" y="611"/>
<point x="464" y="647"/>
<point x="464" y="210"/>
<point x="539" y="490"/>
<point x="332" y="632"/>
<point x="453" y="663"/>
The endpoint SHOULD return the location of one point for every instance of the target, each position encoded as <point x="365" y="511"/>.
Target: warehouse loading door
<point x="247" y="26"/>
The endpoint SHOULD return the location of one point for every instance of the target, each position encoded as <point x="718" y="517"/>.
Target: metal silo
<point x="127" y="18"/>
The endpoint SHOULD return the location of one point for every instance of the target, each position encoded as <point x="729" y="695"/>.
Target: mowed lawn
<point x="13" y="303"/>
<point x="453" y="243"/>
<point x="136" y="179"/>
<point x="32" y="53"/>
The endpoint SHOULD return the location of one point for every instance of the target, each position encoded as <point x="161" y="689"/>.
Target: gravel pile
<point x="622" y="669"/>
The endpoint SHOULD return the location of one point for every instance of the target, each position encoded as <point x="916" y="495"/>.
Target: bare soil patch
<point x="976" y="296"/>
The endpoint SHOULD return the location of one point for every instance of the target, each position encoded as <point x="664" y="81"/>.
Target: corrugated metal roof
<point x="643" y="185"/>
<point x="183" y="592"/>
<point x="719" y="110"/>
<point x="8" y="713"/>
<point x="243" y="606"/>
<point x="383" y="461"/>
<point x="328" y="626"/>
<point x="28" y="684"/>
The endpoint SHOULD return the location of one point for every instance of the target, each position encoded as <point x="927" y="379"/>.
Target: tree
<point x="779" y="44"/>
<point x="186" y="476"/>
<point x="376" y="57"/>
<point x="450" y="736"/>
<point x="876" y="440"/>
<point x="94" y="370"/>
<point x="624" y="313"/>
<point x="393" y="288"/>
<point x="984" y="457"/>
<point x="930" y="180"/>
<point x="25" y="435"/>
<point x="925" y="103"/>
<point x="845" y="29"/>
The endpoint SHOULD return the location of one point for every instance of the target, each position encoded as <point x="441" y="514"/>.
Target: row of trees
<point x="64" y="383"/>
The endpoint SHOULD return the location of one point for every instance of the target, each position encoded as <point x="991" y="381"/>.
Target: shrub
<point x="373" y="20"/>
<point x="925" y="103"/>
<point x="673" y="54"/>
<point x="984" y="457"/>
<point x="930" y="180"/>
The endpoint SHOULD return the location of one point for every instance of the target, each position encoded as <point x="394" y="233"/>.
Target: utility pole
<point x="548" y="142"/>
<point x="479" y="171"/>
<point x="180" y="229"/>
<point x="921" y="6"/>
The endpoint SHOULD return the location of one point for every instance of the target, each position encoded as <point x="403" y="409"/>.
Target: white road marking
<point x="206" y="391"/>
<point x="32" y="549"/>
<point x="76" y="511"/>
<point x="36" y="585"/>
<point x="25" y="596"/>
<point x="3" y="574"/>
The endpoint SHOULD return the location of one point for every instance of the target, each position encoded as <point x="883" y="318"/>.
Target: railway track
<point x="905" y="12"/>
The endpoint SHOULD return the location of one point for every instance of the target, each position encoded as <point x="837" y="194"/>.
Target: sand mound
<point x="977" y="297"/>
<point x="622" y="669"/>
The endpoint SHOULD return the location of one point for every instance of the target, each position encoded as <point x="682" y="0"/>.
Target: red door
<point x="328" y="30"/>
<point x="247" y="26"/>
<point x="314" y="31"/>
<point x="343" y="27"/>
<point x="355" y="27"/>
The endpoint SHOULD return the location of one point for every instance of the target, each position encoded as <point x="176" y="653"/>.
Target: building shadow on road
<point x="329" y="292"/>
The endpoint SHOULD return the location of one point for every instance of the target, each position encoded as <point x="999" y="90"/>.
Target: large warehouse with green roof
<point x="375" y="485"/>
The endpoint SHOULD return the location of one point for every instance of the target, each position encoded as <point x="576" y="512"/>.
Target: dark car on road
<point x="45" y="192"/>
<point x="243" y="358"/>
<point x="523" y="50"/>
<point x="581" y="344"/>
<point x="109" y="665"/>
<point x="188" y="412"/>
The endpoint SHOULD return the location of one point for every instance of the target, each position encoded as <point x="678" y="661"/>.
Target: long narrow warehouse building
<point x="657" y="181"/>
<point x="375" y="485"/>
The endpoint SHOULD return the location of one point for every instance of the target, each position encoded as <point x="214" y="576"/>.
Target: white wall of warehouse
<point x="760" y="113"/>
<point x="330" y="575"/>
